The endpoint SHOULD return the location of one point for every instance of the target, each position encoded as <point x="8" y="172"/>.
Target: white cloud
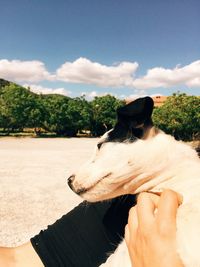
<point x="24" y="71"/>
<point x="91" y="95"/>
<point x="38" y="89"/>
<point x="194" y="82"/>
<point x="161" y="77"/>
<point x="118" y="75"/>
<point x="85" y="71"/>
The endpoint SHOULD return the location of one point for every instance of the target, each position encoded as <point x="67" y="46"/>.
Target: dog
<point x="134" y="157"/>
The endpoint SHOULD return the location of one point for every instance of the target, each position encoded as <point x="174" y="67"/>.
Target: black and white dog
<point x="135" y="156"/>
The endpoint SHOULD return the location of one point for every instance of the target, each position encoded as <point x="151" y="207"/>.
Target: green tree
<point x="37" y="114"/>
<point x="66" y="116"/>
<point x="4" y="116"/>
<point x="19" y="108"/>
<point x="80" y="113"/>
<point x="104" y="113"/>
<point x="179" y="116"/>
<point x="56" y="119"/>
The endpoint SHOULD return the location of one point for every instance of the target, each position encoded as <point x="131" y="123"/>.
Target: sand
<point x="33" y="183"/>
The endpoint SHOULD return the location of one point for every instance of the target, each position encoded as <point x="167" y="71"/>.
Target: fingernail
<point x="178" y="195"/>
<point x="180" y="198"/>
<point x="156" y="192"/>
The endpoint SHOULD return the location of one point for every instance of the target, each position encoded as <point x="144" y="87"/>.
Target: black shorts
<point x="86" y="236"/>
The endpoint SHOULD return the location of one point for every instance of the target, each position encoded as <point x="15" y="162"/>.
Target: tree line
<point x="20" y="108"/>
<point x="64" y="116"/>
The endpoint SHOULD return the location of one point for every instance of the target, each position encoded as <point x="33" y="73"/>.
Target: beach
<point x="33" y="183"/>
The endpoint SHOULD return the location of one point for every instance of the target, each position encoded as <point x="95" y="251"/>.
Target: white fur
<point x="153" y="164"/>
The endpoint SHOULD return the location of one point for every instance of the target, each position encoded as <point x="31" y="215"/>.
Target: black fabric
<point x="86" y="235"/>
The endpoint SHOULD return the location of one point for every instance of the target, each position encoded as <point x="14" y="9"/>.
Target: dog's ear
<point x="133" y="120"/>
<point x="136" y="113"/>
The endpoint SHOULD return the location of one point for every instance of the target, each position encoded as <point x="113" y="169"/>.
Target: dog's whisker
<point x="107" y="175"/>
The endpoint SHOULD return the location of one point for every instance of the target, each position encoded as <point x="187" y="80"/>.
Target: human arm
<point x="85" y="236"/>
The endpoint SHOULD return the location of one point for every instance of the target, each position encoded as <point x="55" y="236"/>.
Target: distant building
<point x="158" y="100"/>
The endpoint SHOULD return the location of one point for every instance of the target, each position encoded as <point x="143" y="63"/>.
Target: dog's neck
<point x="164" y="166"/>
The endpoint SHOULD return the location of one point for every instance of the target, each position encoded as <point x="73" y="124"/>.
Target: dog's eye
<point x="99" y="145"/>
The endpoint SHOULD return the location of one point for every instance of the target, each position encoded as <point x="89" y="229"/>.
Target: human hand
<point x="150" y="234"/>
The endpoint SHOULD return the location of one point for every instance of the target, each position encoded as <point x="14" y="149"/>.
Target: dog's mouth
<point x="82" y="190"/>
<point x="99" y="192"/>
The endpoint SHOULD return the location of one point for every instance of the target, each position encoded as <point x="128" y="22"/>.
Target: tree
<point x="179" y="116"/>
<point x="37" y="114"/>
<point x="19" y="108"/>
<point x="4" y="116"/>
<point x="80" y="112"/>
<point x="56" y="119"/>
<point x="104" y="113"/>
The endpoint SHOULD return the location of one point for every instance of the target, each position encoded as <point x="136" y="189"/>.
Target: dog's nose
<point x="70" y="181"/>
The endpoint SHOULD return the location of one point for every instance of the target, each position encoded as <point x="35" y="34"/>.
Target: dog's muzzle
<point x="70" y="183"/>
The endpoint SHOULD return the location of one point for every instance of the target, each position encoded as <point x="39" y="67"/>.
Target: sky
<point x="126" y="48"/>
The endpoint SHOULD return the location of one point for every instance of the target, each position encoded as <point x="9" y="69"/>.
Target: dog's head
<point x="113" y="165"/>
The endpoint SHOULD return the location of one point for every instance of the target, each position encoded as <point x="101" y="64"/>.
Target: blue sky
<point x="101" y="46"/>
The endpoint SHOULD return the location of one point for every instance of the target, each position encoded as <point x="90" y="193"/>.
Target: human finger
<point x="127" y="235"/>
<point x="133" y="220"/>
<point x="146" y="206"/>
<point x="167" y="206"/>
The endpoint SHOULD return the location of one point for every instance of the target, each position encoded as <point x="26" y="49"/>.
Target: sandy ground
<point x="33" y="187"/>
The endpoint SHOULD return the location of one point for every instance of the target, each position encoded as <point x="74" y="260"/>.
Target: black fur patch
<point x="133" y="121"/>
